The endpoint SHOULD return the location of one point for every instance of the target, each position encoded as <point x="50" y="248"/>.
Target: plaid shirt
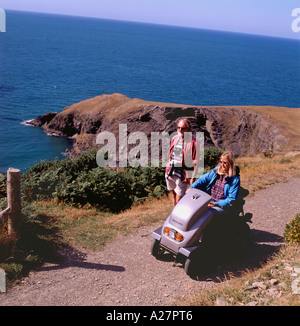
<point x="217" y="190"/>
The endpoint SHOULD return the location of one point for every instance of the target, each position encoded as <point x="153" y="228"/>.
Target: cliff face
<point x="244" y="130"/>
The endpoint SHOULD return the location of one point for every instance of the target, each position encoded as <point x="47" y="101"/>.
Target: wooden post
<point x="13" y="200"/>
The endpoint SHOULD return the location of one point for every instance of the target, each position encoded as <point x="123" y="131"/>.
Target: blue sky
<point x="265" y="17"/>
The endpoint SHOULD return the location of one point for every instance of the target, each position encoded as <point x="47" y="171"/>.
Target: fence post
<point x="13" y="200"/>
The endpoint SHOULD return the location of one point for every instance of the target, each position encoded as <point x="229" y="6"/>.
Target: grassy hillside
<point x="49" y="223"/>
<point x="255" y="175"/>
<point x="118" y="106"/>
<point x="242" y="129"/>
<point x="288" y="119"/>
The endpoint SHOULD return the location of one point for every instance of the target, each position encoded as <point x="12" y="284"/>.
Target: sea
<point x="48" y="62"/>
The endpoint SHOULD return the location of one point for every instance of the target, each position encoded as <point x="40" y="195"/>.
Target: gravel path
<point x="125" y="274"/>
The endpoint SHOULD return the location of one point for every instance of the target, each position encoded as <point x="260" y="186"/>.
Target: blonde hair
<point x="231" y="160"/>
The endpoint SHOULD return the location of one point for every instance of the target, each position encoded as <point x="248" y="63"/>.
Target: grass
<point x="260" y="171"/>
<point x="92" y="229"/>
<point x="50" y="225"/>
<point x="269" y="285"/>
<point x="289" y="118"/>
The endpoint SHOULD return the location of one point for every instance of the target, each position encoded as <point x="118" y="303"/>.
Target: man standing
<point x="182" y="163"/>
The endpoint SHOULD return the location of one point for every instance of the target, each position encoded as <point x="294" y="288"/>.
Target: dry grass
<point x="269" y="285"/>
<point x="90" y="228"/>
<point x="289" y="118"/>
<point x="150" y="212"/>
<point x="275" y="276"/>
<point x="259" y="171"/>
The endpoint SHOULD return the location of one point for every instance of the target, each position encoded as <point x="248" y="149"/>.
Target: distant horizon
<point x="50" y="61"/>
<point x="153" y="23"/>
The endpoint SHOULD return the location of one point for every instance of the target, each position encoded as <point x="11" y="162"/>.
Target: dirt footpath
<point x="125" y="274"/>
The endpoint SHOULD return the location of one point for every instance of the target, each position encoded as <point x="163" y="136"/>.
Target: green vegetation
<point x="292" y="231"/>
<point x="38" y="242"/>
<point x="212" y="156"/>
<point x="80" y="182"/>
<point x="73" y="202"/>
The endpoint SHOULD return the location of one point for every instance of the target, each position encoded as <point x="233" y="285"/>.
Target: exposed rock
<point x="259" y="285"/>
<point x="244" y="130"/>
<point x="42" y="119"/>
<point x="252" y="303"/>
<point x="220" y="302"/>
<point x="296" y="286"/>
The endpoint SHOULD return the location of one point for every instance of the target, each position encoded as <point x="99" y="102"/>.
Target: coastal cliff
<point x="242" y="129"/>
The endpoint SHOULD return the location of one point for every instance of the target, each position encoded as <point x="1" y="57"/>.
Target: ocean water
<point x="48" y="62"/>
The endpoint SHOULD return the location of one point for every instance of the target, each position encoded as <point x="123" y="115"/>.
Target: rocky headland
<point x="242" y="129"/>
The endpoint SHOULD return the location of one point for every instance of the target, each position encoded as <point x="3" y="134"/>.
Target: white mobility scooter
<point x="187" y="231"/>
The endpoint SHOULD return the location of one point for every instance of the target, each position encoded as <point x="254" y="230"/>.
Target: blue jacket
<point x="231" y="189"/>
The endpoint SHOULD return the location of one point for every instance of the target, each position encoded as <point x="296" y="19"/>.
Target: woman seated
<point x="222" y="183"/>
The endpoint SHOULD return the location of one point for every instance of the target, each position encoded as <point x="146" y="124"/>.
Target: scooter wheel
<point x="156" y="250"/>
<point x="189" y="268"/>
<point x="193" y="264"/>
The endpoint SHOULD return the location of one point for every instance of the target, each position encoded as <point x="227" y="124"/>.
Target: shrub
<point x="146" y="182"/>
<point x="42" y="180"/>
<point x="103" y="188"/>
<point x="2" y="185"/>
<point x="212" y="156"/>
<point x="80" y="181"/>
<point x="292" y="231"/>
